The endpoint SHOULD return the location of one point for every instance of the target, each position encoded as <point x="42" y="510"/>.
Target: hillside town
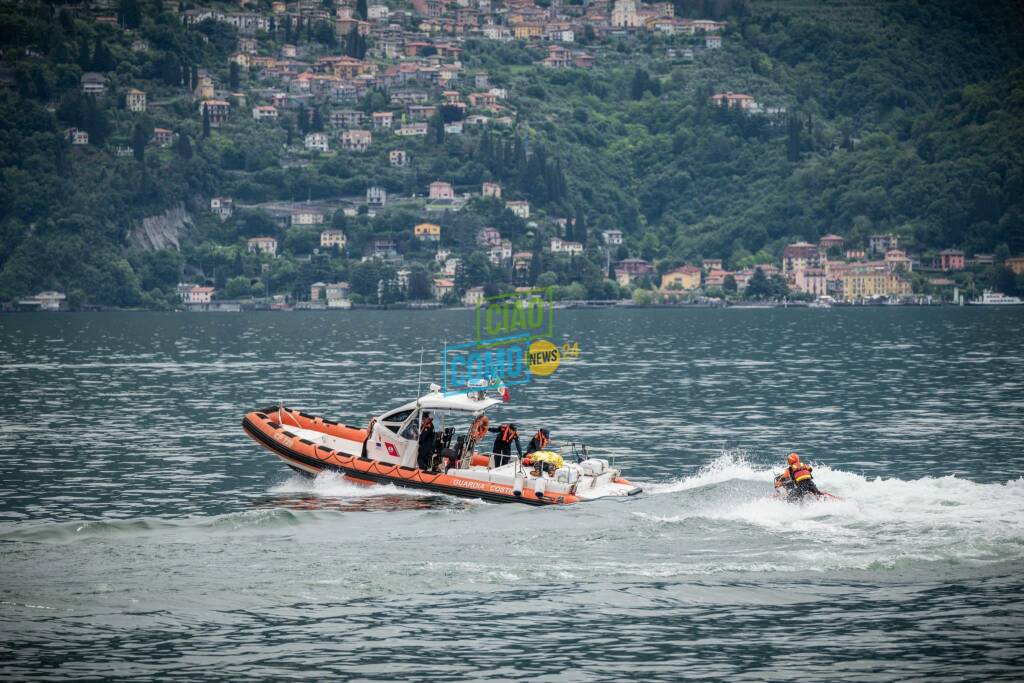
<point x="808" y="272"/>
<point x="363" y="82"/>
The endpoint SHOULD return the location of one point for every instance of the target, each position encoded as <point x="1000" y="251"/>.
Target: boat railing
<point x="579" y="452"/>
<point x="571" y="451"/>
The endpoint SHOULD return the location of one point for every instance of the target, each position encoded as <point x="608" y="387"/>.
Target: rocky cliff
<point x="161" y="231"/>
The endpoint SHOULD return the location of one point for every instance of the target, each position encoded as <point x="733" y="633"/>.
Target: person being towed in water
<point x="796" y="479"/>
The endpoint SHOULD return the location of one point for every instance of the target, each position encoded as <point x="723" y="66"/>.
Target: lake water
<point x="142" y="534"/>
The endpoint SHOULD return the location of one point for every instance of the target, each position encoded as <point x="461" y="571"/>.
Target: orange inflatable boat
<point x="431" y="444"/>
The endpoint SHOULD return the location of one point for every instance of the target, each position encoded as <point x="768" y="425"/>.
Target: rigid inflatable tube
<point x="361" y="469"/>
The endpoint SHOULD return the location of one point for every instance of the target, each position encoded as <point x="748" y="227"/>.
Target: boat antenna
<point x="419" y="379"/>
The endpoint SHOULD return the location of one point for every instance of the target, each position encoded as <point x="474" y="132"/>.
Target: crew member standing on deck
<point x="507" y="435"/>
<point x="426" y="440"/>
<point x="539" y="441"/>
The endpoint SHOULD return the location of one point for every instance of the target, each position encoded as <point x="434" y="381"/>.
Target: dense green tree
<point x="1003" y="279"/>
<point x="793" y="131"/>
<point x="419" y="284"/>
<point x="160" y="269"/>
<point x="435" y="129"/>
<point x="288" y="123"/>
<point x="355" y="44"/>
<point x="102" y="59"/>
<point x="67" y="22"/>
<point x="184" y="146"/>
<point x="129" y="14"/>
<point x="779" y="287"/>
<point x="223" y="37"/>
<point x="642" y="83"/>
<point x="473" y="271"/>
<point x="95" y="121"/>
<point x="84" y="57"/>
<point x="365" y="277"/>
<point x="324" y="33"/>
<point x="170" y="69"/>
<point x="139" y="141"/>
<point x="758" y="286"/>
<point x="240" y="286"/>
<point x="580" y="230"/>
<point x="374" y="100"/>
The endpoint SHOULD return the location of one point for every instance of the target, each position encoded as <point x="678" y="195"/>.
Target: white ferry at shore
<point x="990" y="298"/>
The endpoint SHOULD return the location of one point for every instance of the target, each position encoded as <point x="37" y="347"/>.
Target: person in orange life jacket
<point x="539" y="441"/>
<point x="426" y="440"/>
<point x="796" y="479"/>
<point x="507" y="435"/>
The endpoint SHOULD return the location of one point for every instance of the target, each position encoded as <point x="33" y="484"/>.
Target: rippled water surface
<point x="143" y="535"/>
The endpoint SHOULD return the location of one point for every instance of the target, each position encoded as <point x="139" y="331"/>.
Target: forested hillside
<point x="898" y="117"/>
<point x="909" y="120"/>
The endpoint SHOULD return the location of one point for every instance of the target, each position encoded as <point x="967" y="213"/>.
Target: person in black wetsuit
<point x="426" y="441"/>
<point x="507" y="435"/>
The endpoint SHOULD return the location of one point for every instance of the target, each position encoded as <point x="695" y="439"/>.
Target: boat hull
<point x="305" y="456"/>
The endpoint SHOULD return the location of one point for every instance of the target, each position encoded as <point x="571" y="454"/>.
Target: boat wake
<point x="335" y="492"/>
<point x="332" y="484"/>
<point x="732" y="465"/>
<point x="255" y="521"/>
<point x="878" y="522"/>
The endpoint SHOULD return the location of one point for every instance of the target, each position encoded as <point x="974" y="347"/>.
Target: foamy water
<point x="875" y="522"/>
<point x="331" y="484"/>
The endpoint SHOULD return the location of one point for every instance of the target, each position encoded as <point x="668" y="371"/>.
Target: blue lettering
<point x="493" y="362"/>
<point x="465" y="367"/>
<point x="456" y="363"/>
<point x="515" y="362"/>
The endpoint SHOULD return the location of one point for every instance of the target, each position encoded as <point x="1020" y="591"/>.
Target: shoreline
<point x="248" y="307"/>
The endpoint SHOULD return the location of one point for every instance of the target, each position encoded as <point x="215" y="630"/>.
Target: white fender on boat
<point x="517" y="486"/>
<point x="539" y="486"/>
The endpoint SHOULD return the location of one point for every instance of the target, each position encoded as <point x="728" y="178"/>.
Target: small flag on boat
<point x="501" y="388"/>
